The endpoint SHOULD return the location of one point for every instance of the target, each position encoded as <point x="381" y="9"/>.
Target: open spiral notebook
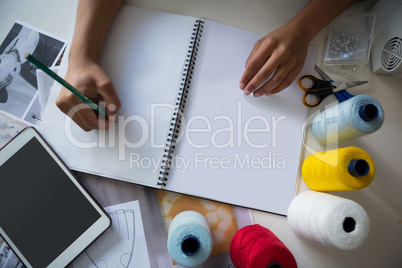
<point x="184" y="124"/>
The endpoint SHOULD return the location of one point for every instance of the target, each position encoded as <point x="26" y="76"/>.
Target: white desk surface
<point x="382" y="199"/>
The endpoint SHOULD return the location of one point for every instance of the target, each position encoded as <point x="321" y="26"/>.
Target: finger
<point x="254" y="62"/>
<point x="85" y="117"/>
<point x="104" y="91"/>
<point x="264" y="75"/>
<point x="90" y="117"/>
<point x="109" y="95"/>
<point x="82" y="114"/>
<point x="78" y="120"/>
<point x="287" y="81"/>
<point x="252" y="53"/>
<point x="276" y="79"/>
<point x="74" y="116"/>
<point x="105" y="123"/>
<point x="104" y="94"/>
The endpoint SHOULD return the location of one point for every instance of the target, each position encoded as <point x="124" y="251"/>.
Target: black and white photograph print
<point x="8" y="259"/>
<point x="18" y="82"/>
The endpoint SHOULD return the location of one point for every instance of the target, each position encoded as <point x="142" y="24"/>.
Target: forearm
<point x="93" y="20"/>
<point x="317" y="14"/>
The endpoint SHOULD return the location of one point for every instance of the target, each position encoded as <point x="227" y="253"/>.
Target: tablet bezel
<point x="86" y="238"/>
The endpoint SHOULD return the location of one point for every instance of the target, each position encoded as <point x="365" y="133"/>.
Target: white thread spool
<point x="353" y="118"/>
<point x="189" y="239"/>
<point x="328" y="220"/>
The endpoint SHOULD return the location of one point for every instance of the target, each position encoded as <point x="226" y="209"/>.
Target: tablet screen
<point x="41" y="210"/>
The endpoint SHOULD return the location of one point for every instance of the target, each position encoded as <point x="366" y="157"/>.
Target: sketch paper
<point x="123" y="245"/>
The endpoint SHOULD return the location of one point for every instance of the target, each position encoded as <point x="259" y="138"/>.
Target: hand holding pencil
<point x="92" y="103"/>
<point x="92" y="81"/>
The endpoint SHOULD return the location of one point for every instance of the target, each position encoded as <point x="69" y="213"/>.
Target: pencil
<point x="65" y="84"/>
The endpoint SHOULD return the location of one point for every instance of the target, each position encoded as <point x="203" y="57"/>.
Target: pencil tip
<point x="26" y="55"/>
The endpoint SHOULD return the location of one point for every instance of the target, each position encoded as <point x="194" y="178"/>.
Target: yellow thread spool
<point x="343" y="169"/>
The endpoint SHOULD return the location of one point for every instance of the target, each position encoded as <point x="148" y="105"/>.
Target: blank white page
<point x="215" y="158"/>
<point x="143" y="55"/>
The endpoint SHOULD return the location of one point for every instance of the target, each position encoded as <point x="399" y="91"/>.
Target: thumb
<point x="112" y="101"/>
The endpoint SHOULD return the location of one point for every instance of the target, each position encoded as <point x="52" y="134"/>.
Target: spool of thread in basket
<point x="328" y="220"/>
<point x="353" y="118"/>
<point x="189" y="240"/>
<point x="256" y="246"/>
<point x="342" y="169"/>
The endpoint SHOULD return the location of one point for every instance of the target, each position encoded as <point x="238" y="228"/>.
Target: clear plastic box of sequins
<point x="349" y="40"/>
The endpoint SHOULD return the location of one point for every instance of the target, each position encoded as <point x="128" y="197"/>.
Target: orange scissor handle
<point x="319" y="90"/>
<point x="313" y="103"/>
<point x="317" y="84"/>
<point x="309" y="77"/>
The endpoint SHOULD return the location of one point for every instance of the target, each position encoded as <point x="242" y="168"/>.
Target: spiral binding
<point x="185" y="83"/>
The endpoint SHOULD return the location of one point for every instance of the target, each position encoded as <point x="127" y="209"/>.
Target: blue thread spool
<point x="189" y="240"/>
<point x="190" y="245"/>
<point x="353" y="118"/>
<point x="358" y="167"/>
<point x="368" y="112"/>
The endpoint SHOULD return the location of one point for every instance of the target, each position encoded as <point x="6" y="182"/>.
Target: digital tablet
<point x="46" y="216"/>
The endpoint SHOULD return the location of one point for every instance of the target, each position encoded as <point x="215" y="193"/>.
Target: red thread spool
<point x="254" y="246"/>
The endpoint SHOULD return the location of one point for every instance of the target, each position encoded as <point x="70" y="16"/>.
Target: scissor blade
<point x="355" y="83"/>
<point x="345" y="85"/>
<point x="323" y="75"/>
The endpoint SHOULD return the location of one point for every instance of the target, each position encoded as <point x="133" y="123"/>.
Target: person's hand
<point x="89" y="78"/>
<point x="281" y="53"/>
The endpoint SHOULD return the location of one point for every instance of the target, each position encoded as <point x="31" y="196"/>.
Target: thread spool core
<point x="368" y="112"/>
<point x="358" y="167"/>
<point x="349" y="224"/>
<point x="274" y="265"/>
<point x="190" y="245"/>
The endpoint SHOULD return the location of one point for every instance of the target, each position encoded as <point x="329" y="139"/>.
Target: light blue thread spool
<point x="189" y="239"/>
<point x="353" y="118"/>
<point x="190" y="245"/>
<point x="368" y="112"/>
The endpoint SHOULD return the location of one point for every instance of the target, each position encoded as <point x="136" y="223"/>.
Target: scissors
<point x="323" y="88"/>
